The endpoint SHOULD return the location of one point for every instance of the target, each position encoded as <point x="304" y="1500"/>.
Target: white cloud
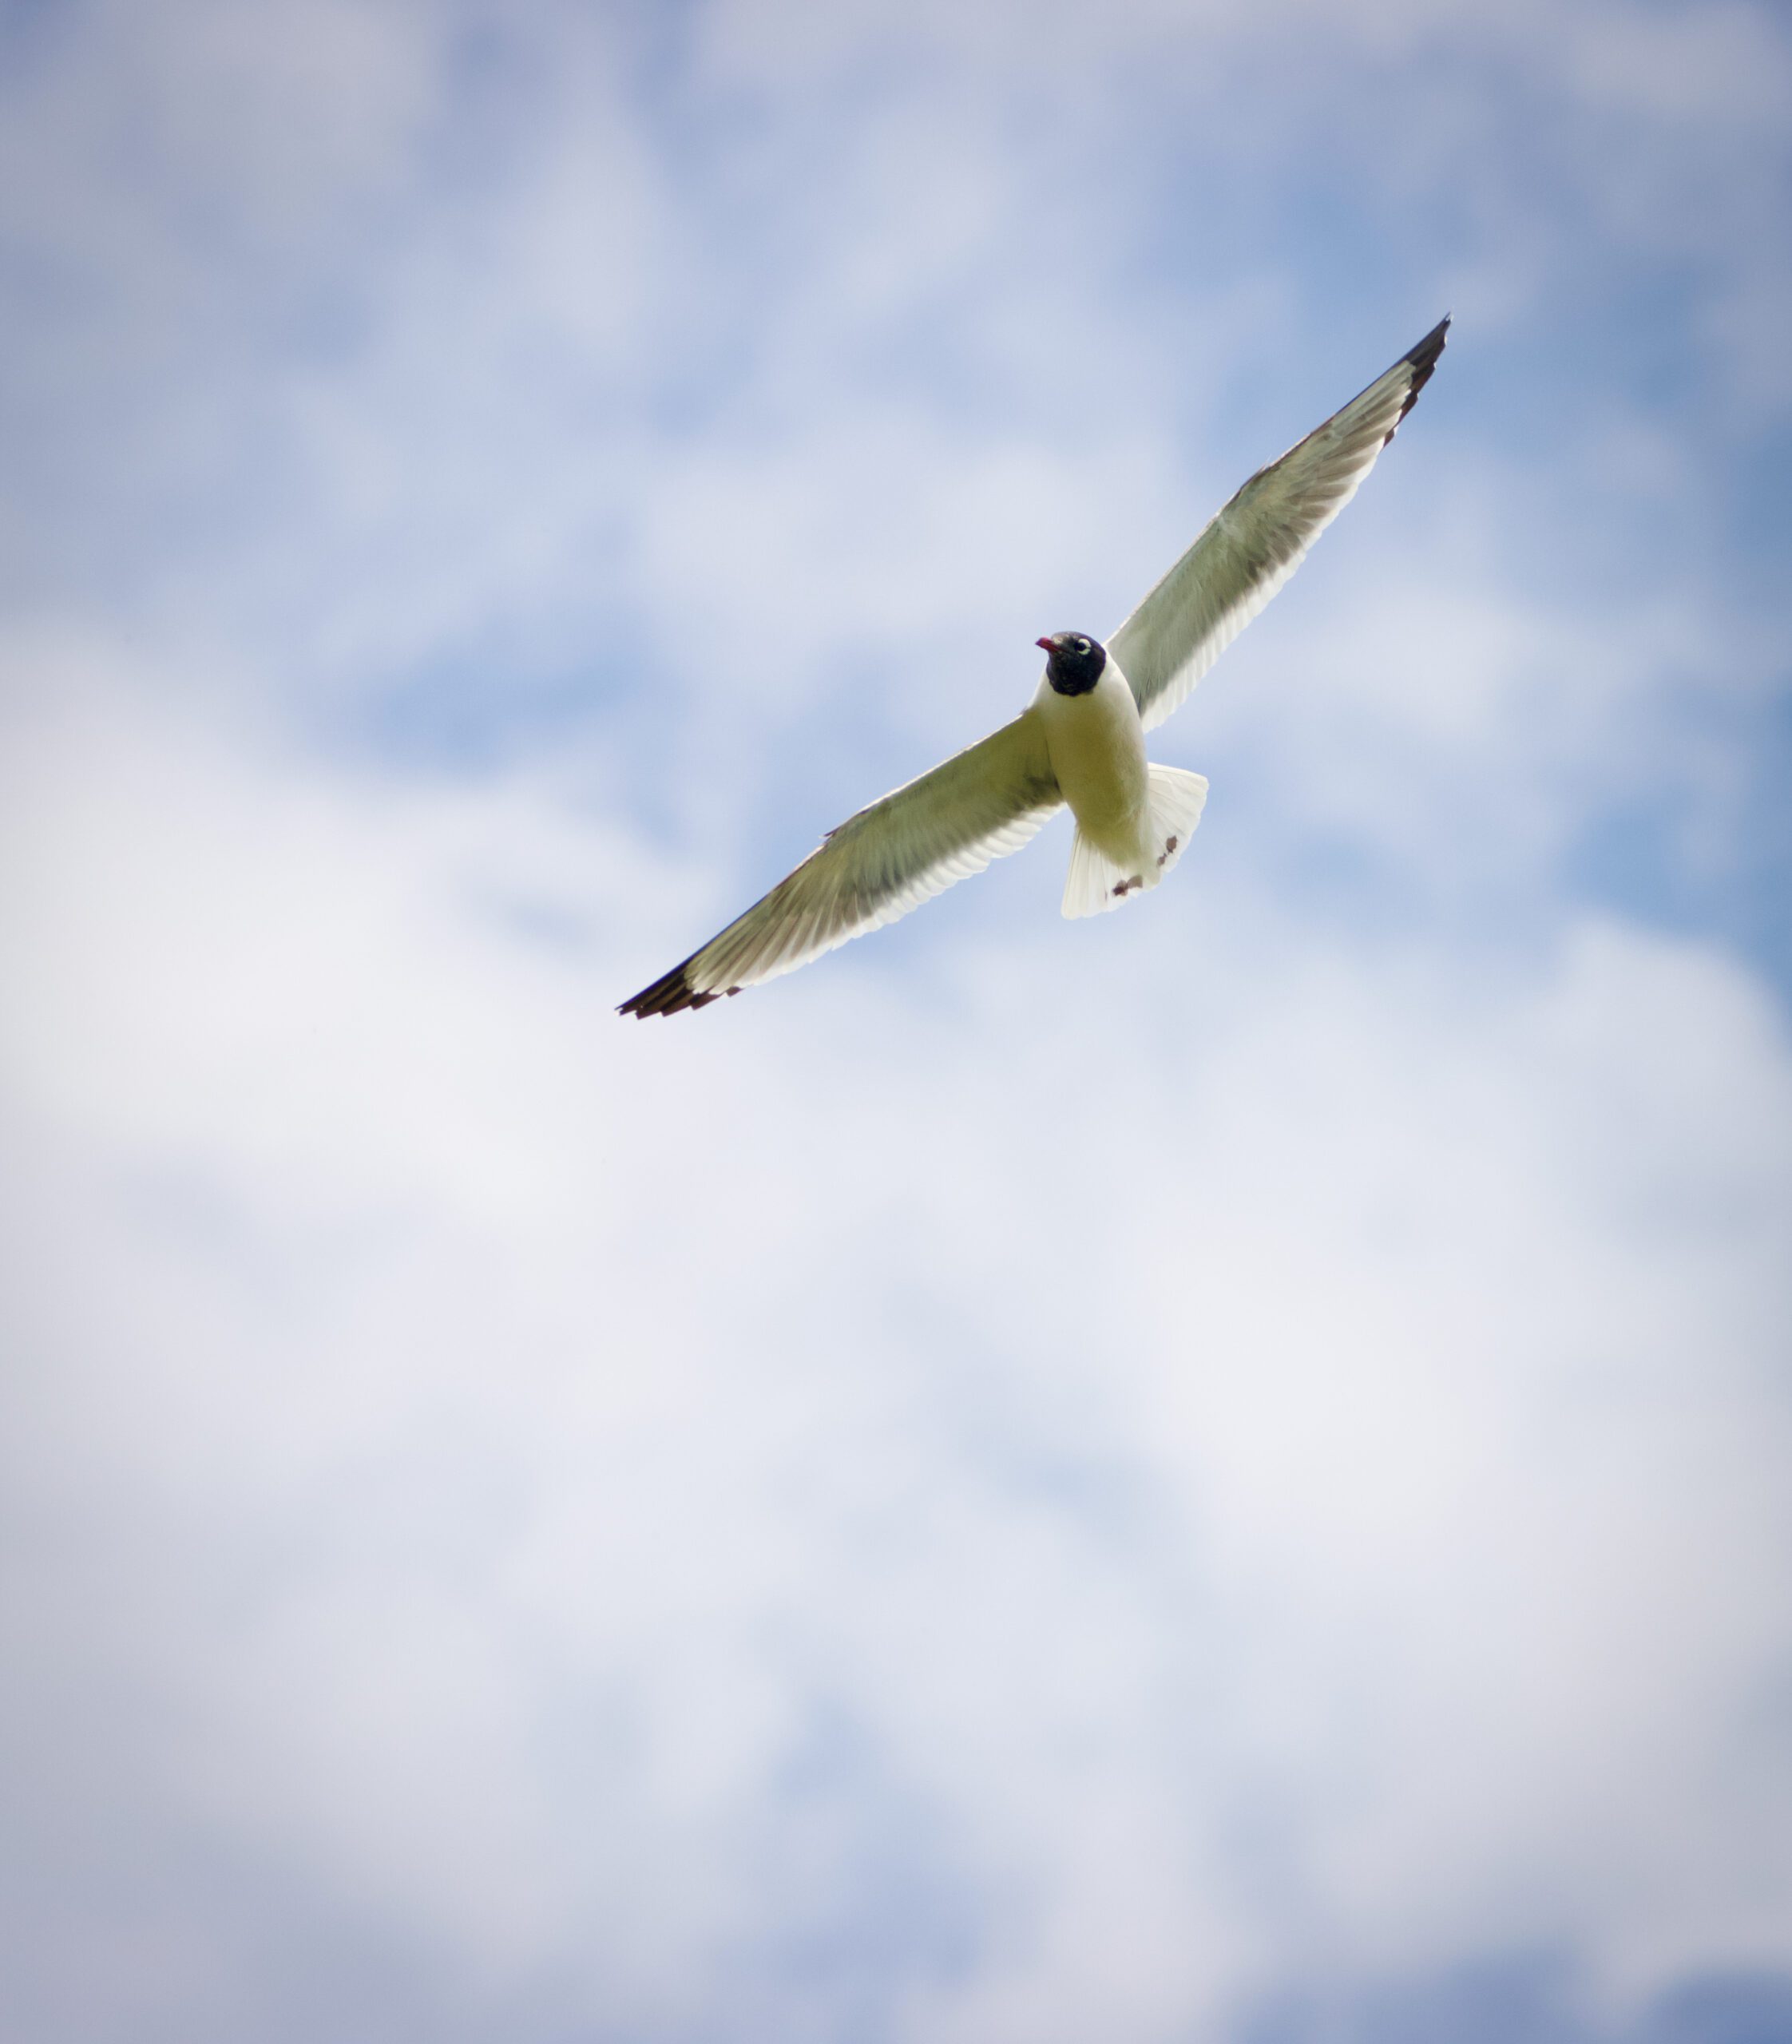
<point x="1312" y="1498"/>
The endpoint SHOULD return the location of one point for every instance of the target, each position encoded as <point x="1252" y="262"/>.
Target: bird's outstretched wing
<point x="980" y="804"/>
<point x="1257" y="542"/>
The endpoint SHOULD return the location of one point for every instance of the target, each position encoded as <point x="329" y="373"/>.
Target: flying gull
<point x="1081" y="740"/>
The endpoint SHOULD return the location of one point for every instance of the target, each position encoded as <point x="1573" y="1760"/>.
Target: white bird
<point x="1081" y="741"/>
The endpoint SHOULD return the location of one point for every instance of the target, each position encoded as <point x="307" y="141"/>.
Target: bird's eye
<point x="1082" y="645"/>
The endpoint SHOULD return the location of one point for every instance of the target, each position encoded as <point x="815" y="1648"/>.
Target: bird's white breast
<point x="1097" y="746"/>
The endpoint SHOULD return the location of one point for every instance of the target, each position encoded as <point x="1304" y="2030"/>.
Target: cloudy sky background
<point x="1220" y="1475"/>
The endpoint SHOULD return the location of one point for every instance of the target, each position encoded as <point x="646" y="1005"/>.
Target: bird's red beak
<point x="1046" y="643"/>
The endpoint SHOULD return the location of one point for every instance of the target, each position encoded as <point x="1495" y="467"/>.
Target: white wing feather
<point x="980" y="804"/>
<point x="1251" y="548"/>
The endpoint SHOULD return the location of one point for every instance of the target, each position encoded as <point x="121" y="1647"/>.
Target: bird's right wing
<point x="978" y="806"/>
<point x="1251" y="548"/>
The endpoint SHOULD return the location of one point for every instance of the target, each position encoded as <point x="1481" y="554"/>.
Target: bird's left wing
<point x="978" y="806"/>
<point x="1251" y="548"/>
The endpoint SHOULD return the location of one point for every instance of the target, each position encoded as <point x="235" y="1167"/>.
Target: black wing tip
<point x="1423" y="355"/>
<point x="668" y="994"/>
<point x="1422" y="360"/>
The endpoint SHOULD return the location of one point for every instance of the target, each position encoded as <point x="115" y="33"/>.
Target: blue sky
<point x="1215" y="1476"/>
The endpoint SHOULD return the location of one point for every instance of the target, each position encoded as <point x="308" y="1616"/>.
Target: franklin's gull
<point x="1081" y="741"/>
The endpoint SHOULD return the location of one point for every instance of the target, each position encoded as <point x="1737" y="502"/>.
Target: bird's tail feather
<point x="1094" y="883"/>
<point x="1177" y="799"/>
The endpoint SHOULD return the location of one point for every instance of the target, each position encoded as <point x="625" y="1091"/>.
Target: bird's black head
<point x="1073" y="661"/>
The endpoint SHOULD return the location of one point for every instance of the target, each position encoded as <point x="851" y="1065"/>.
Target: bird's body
<point x="1080" y="742"/>
<point x="1096" y="744"/>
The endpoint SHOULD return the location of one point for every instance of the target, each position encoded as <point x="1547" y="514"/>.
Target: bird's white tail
<point x="1177" y="799"/>
<point x="1094" y="883"/>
